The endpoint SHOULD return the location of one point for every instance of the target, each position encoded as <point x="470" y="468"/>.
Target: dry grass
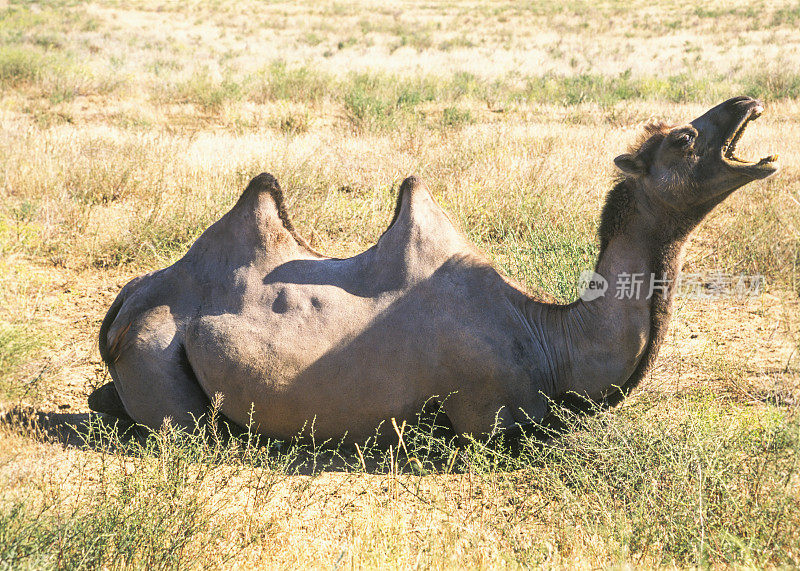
<point x="125" y="131"/>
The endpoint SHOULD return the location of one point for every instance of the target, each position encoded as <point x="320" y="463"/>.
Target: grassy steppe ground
<point x="126" y="128"/>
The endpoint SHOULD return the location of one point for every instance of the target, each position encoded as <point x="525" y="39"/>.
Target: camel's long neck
<point x="601" y="348"/>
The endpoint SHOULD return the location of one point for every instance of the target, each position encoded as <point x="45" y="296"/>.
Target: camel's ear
<point x="630" y="164"/>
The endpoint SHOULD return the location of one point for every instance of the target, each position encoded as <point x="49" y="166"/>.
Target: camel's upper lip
<point x="764" y="166"/>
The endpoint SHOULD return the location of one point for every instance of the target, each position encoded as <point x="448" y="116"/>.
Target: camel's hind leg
<point x="151" y="373"/>
<point x="152" y="391"/>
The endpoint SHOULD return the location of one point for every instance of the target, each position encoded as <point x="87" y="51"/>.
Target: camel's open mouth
<point x="729" y="148"/>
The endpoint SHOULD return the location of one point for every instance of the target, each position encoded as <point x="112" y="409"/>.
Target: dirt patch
<point x="741" y="349"/>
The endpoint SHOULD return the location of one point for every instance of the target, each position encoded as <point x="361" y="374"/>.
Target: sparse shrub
<point x="159" y="501"/>
<point x="158" y="238"/>
<point x="455" y="117"/>
<point x="280" y="82"/>
<point x="18" y="66"/>
<point x="759" y="237"/>
<point x="786" y="16"/>
<point x="349" y="42"/>
<point x="772" y="84"/>
<point x="204" y="91"/>
<point x="19" y="228"/>
<point x="419" y="40"/>
<point x="365" y="107"/>
<point x="293" y="123"/>
<point x="50" y="76"/>
<point x="17" y="343"/>
<point x="47" y="41"/>
<point x="465" y="84"/>
<point x="547" y="257"/>
<point x="608" y="90"/>
<point x="706" y="486"/>
<point x="380" y="102"/>
<point x="312" y="39"/>
<point x="21" y="343"/>
<point x="455" y="43"/>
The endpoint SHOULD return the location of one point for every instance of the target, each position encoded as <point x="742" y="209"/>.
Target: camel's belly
<point x="310" y="356"/>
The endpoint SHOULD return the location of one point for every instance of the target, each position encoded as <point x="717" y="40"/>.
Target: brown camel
<point x="291" y="338"/>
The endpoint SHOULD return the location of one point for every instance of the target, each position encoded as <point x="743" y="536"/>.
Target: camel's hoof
<point x="106" y="400"/>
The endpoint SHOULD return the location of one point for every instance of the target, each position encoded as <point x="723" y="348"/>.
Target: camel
<point x="293" y="340"/>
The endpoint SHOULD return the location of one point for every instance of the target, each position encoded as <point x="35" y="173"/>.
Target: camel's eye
<point x="684" y="139"/>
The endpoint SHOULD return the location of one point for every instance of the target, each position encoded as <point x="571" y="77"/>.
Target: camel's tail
<point x="106" y="398"/>
<point x="108" y="320"/>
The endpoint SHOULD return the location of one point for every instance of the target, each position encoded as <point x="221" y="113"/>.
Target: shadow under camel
<point x="72" y="430"/>
<point x="429" y="446"/>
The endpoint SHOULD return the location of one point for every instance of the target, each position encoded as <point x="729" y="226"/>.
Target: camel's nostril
<point x="741" y="103"/>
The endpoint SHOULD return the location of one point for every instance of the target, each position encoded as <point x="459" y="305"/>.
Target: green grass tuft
<point x="280" y="82"/>
<point x="455" y="117"/>
<point x="205" y="92"/>
<point x="20" y="66"/>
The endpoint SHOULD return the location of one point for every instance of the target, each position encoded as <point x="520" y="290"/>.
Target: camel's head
<point x="692" y="168"/>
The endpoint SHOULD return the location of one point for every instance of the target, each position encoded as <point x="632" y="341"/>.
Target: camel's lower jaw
<point x="768" y="165"/>
<point x="736" y="160"/>
<point x="753" y="169"/>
